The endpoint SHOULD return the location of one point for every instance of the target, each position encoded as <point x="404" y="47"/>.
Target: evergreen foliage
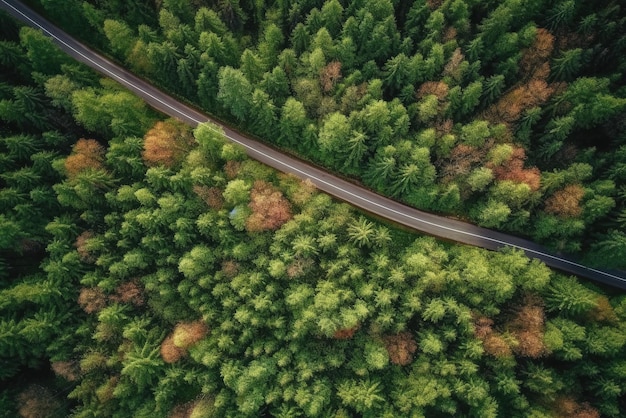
<point x="340" y="82"/>
<point x="149" y="270"/>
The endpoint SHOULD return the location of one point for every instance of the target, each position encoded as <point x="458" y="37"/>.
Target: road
<point x="360" y="197"/>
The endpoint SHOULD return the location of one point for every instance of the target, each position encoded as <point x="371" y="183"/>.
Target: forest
<point x="509" y="114"/>
<point x="147" y="269"/>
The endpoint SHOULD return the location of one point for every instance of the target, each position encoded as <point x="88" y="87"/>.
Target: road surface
<point x="360" y="197"/>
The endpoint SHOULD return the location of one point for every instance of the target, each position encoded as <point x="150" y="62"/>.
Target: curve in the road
<point x="358" y="196"/>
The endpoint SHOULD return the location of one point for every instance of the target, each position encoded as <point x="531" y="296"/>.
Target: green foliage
<point x="333" y="313"/>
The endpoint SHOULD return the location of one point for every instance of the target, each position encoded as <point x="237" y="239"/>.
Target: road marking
<point x="280" y="162"/>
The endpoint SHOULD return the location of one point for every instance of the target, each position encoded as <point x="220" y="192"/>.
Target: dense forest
<point x="150" y="270"/>
<point x="507" y="113"/>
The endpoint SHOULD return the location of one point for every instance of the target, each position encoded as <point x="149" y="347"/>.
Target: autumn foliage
<point x="345" y="333"/>
<point x="566" y="202"/>
<point x="166" y="144"/>
<point x="493" y="342"/>
<point x="330" y="75"/>
<point x="68" y="370"/>
<point x="299" y="267"/>
<point x="230" y="268"/>
<point x="232" y="168"/>
<point x="461" y="161"/>
<point x="436" y="88"/>
<point x="86" y="154"/>
<point x="81" y="246"/>
<point x="212" y="196"/>
<point x="129" y="292"/>
<point x="92" y="299"/>
<point x="528" y="327"/>
<point x="169" y="352"/>
<point x="535" y="58"/>
<point x="269" y="207"/>
<point x="567" y="407"/>
<point x="181" y="411"/>
<point x="535" y="91"/>
<point x="513" y="170"/>
<point x="603" y="311"/>
<point x="401" y="348"/>
<point x="185" y="335"/>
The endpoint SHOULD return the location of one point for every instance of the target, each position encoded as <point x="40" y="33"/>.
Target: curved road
<point x="420" y="221"/>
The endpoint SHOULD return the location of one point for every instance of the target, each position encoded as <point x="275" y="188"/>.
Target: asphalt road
<point x="427" y="223"/>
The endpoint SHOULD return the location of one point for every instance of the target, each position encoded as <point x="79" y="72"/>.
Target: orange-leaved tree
<point x="166" y="143"/>
<point x="269" y="207"/>
<point x="86" y="154"/>
<point x="184" y="336"/>
<point x="513" y="169"/>
<point x="566" y="202"/>
<point x="528" y="327"/>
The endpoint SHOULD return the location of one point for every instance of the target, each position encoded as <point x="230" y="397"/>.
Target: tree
<point x="480" y="178"/>
<point x="419" y="172"/>
<point x="362" y="395"/>
<point x="251" y="66"/>
<point x="300" y="38"/>
<point x="142" y="363"/>
<point x="567" y="65"/>
<point x="120" y="36"/>
<point x="276" y="84"/>
<point x="361" y="232"/>
<point x="330" y="76"/>
<point x="44" y="56"/>
<point x="512" y="168"/>
<point x="235" y="92"/>
<point x="292" y="123"/>
<point x="232" y="14"/>
<point x="270" y="209"/>
<point x="566" y="202"/>
<point x="401" y="348"/>
<point x="332" y="16"/>
<point x="354" y="150"/>
<point x="333" y="135"/>
<point x="164" y="56"/>
<point x="561" y="14"/>
<point x="475" y="133"/>
<point x="86" y="154"/>
<point x="207" y="20"/>
<point x="270" y="47"/>
<point x="263" y="114"/>
<point x="166" y="144"/>
<point x="494" y="214"/>
<point x="381" y="167"/>
<point x="566" y="294"/>
<point x="187" y="71"/>
<point x="237" y="192"/>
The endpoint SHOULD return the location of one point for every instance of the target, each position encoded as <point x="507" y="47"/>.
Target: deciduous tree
<point x="166" y="144"/>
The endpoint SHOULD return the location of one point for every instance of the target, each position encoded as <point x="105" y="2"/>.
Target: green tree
<point x="120" y="36"/>
<point x="263" y="120"/>
<point x="494" y="214"/>
<point x="252" y="66"/>
<point x="43" y="55"/>
<point x="361" y="232"/>
<point x="235" y="92"/>
<point x="569" y="296"/>
<point x="361" y="395"/>
<point x="293" y="121"/>
<point x="334" y="133"/>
